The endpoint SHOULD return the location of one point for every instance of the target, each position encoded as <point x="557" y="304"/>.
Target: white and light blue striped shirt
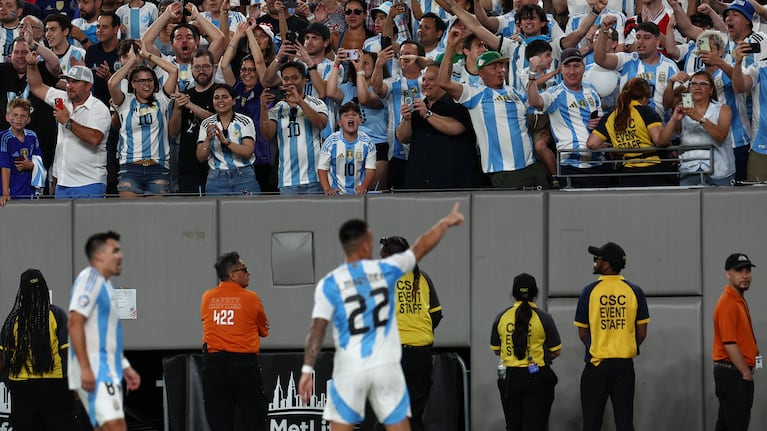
<point x="346" y="162"/>
<point x="6" y="41"/>
<point x="398" y="89"/>
<point x="137" y="20"/>
<point x="500" y="123"/>
<point x="375" y="121"/>
<point x="299" y="142"/>
<point x="144" y="129"/>
<point x="758" y="74"/>
<point x="657" y="75"/>
<point x="357" y="298"/>
<point x="93" y="297"/>
<point x="221" y="158"/>
<point x="569" y="114"/>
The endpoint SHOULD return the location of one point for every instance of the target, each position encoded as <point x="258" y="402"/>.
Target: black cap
<point x="737" y="261"/>
<point x="570" y="54"/>
<point x="612" y="253"/>
<point x="525" y="288"/>
<point x="319" y="29"/>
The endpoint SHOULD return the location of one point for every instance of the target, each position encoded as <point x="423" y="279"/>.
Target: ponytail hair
<point x="635" y="89"/>
<point x="525" y="290"/>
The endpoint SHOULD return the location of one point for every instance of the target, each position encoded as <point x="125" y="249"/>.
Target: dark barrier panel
<point x="280" y="372"/>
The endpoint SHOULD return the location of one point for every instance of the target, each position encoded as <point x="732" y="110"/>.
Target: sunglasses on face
<point x="357" y="12"/>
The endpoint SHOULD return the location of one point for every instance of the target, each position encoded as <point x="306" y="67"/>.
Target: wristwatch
<point x="702" y="120"/>
<point x="68" y="124"/>
<point x="310" y="68"/>
<point x="594" y="11"/>
<point x="428" y="113"/>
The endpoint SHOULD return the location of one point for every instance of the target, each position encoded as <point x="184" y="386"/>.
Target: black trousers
<point x="42" y="404"/>
<point x="736" y="396"/>
<point x="232" y="382"/>
<point x="527" y="398"/>
<point x="416" y="366"/>
<point x="613" y="378"/>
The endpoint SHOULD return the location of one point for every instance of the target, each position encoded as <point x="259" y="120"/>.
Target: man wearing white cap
<point x="79" y="166"/>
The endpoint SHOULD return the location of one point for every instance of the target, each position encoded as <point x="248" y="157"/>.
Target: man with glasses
<point x="192" y="106"/>
<point x="233" y="322"/>
<point x="611" y="318"/>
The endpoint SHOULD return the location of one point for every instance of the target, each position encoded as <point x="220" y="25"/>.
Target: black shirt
<point x="439" y="161"/>
<point x="190" y="130"/>
<point x="294" y="23"/>
<point x="95" y="56"/>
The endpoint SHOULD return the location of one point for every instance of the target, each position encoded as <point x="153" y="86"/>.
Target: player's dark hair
<point x="26" y="334"/>
<point x="97" y="240"/>
<point x="349" y="106"/>
<point x="537" y="47"/>
<point x="350" y="233"/>
<point x="635" y="89"/>
<point x="225" y="263"/>
<point x="397" y="244"/>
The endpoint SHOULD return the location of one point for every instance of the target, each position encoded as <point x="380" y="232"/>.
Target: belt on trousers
<point x="145" y="162"/>
<point x="729" y="365"/>
<point x="407" y="346"/>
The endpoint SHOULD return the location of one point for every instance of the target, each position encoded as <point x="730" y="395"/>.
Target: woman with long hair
<point x="144" y="144"/>
<point x="633" y="124"/>
<point x="226" y="142"/>
<point x="527" y="340"/>
<point x="33" y="345"/>
<point x="707" y="122"/>
<point x="418" y="313"/>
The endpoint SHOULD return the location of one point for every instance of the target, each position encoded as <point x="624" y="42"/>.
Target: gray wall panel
<point x="448" y="265"/>
<point x="660" y="232"/>
<point x="169" y="249"/>
<point x="733" y="221"/>
<point x="35" y="235"/>
<point x="507" y="238"/>
<point x="247" y="226"/>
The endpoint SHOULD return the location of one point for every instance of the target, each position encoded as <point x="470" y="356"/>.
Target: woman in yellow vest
<point x="418" y="312"/>
<point x="527" y="341"/>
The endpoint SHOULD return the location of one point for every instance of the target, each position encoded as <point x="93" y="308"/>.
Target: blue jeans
<point x="144" y="180"/>
<point x="232" y="182"/>
<point x="303" y="189"/>
<point x="90" y="191"/>
<point x="695" y="180"/>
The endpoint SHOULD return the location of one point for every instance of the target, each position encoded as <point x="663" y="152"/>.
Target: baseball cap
<point x="737" y="261"/>
<point x="79" y="73"/>
<point x="570" y="54"/>
<point x="490" y="57"/>
<point x="266" y="28"/>
<point x="319" y="29"/>
<point x="524" y="287"/>
<point x="742" y="6"/>
<point x="610" y="252"/>
<point x="384" y="8"/>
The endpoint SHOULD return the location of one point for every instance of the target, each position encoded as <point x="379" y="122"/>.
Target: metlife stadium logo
<point x="286" y="412"/>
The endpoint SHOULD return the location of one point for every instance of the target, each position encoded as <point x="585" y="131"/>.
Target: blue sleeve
<point x="5" y="159"/>
<point x="582" y="310"/>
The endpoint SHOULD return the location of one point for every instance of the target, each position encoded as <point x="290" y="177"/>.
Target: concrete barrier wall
<point x="676" y="243"/>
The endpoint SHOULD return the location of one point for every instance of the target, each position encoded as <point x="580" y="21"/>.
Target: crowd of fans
<point x="222" y="98"/>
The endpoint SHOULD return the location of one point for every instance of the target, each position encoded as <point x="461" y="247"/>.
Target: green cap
<point x="490" y="57"/>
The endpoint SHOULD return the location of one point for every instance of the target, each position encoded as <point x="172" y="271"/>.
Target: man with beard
<point x="10" y="16"/>
<point x="192" y="106"/>
<point x="13" y="84"/>
<point x="441" y="138"/>
<point x="86" y="24"/>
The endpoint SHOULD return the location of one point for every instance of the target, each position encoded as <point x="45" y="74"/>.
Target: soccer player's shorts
<point x="384" y="386"/>
<point x="104" y="404"/>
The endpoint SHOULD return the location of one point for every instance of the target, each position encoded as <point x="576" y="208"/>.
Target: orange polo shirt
<point x="732" y="324"/>
<point x="233" y="319"/>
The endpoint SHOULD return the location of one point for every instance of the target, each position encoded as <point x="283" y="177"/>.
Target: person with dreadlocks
<point x="418" y="313"/>
<point x="527" y="340"/>
<point x="32" y="345"/>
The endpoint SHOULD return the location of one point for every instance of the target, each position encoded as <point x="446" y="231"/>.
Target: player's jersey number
<point x="357" y="326"/>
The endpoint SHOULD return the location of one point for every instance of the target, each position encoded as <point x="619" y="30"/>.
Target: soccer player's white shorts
<point x="104" y="404"/>
<point x="384" y="386"/>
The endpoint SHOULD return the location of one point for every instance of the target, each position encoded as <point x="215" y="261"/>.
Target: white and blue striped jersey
<point x="375" y="121"/>
<point x="235" y="18"/>
<point x="741" y="122"/>
<point x="299" y="142"/>
<point x="507" y="26"/>
<point x="753" y="37"/>
<point x="758" y="74"/>
<point x="93" y="297"/>
<point x="221" y="158"/>
<point x="398" y="89"/>
<point x="627" y="6"/>
<point x="515" y="51"/>
<point x="500" y="122"/>
<point x="144" y="129"/>
<point x="373" y="44"/>
<point x="6" y="41"/>
<point x="137" y="20"/>
<point x="74" y="56"/>
<point x="569" y="114"/>
<point x="657" y="75"/>
<point x="185" y="78"/>
<point x="462" y="75"/>
<point x="89" y="28"/>
<point x="324" y="69"/>
<point x="357" y="298"/>
<point x="575" y="21"/>
<point x="346" y="162"/>
<point x="426" y="7"/>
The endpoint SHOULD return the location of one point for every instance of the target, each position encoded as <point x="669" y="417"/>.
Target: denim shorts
<point x="232" y="182"/>
<point x="144" y="180"/>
